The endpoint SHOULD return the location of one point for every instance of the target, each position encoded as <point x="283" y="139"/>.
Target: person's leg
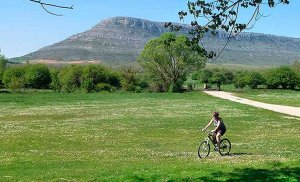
<point x="218" y="137"/>
<point x="214" y="138"/>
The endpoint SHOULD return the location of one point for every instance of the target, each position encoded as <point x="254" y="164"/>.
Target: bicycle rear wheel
<point x="225" y="147"/>
<point x="204" y="149"/>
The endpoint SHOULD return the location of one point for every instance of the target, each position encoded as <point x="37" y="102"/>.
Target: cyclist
<point x="219" y="130"/>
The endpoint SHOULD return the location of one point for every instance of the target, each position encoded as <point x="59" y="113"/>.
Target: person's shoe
<point x="216" y="149"/>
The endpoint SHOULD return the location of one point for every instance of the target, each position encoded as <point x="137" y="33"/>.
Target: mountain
<point x="119" y="40"/>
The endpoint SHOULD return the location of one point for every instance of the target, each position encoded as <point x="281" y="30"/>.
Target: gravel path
<point x="293" y="111"/>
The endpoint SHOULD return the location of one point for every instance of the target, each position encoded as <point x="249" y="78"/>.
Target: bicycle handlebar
<point x="207" y="131"/>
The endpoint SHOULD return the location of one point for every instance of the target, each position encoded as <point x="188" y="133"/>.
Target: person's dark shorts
<point x="222" y="131"/>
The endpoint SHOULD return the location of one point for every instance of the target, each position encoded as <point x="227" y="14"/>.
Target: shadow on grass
<point x="238" y="154"/>
<point x="4" y="92"/>
<point x="274" y="173"/>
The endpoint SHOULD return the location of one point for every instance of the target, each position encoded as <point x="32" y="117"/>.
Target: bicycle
<point x="204" y="148"/>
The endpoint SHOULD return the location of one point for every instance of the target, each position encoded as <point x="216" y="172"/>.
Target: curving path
<point x="290" y="110"/>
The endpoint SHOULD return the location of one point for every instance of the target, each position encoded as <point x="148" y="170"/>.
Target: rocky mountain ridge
<point x="119" y="40"/>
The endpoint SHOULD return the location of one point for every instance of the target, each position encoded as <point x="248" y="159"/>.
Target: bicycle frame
<point x="209" y="138"/>
<point x="225" y="146"/>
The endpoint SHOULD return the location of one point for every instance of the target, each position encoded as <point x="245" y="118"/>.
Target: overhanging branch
<point x="45" y="5"/>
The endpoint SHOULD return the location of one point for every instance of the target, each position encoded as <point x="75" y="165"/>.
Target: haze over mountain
<point x="119" y="40"/>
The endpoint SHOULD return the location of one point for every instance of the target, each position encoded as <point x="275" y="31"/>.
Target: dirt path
<point x="293" y="111"/>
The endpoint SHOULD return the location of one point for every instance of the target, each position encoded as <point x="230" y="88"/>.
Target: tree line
<point x="166" y="62"/>
<point x="285" y="77"/>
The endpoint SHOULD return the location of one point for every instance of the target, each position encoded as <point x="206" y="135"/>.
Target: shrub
<point x="177" y="86"/>
<point x="196" y="75"/>
<point x="282" y="76"/>
<point x="88" y="85"/>
<point x="71" y="78"/>
<point x="14" y="78"/>
<point x="113" y="78"/>
<point x="254" y="79"/>
<point x="218" y="78"/>
<point x="229" y="76"/>
<point x="37" y="76"/>
<point x="103" y="87"/>
<point x="240" y="80"/>
<point x="129" y="80"/>
<point x="205" y="76"/>
<point x="95" y="73"/>
<point x="55" y="84"/>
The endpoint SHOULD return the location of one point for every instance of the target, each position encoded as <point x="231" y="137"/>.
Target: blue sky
<point x="26" y="27"/>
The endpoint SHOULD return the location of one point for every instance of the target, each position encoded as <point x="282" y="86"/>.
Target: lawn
<point x="278" y="96"/>
<point x="136" y="137"/>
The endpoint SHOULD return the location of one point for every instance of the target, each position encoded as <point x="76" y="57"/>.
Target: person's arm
<point x="208" y="124"/>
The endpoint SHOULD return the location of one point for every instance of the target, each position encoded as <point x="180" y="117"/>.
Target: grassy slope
<point x="121" y="136"/>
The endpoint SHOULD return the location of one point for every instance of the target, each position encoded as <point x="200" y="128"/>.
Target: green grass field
<point x="140" y="137"/>
<point x="281" y="97"/>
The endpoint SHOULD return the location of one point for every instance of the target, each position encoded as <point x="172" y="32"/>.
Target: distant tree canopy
<point x="212" y="15"/>
<point x="169" y="58"/>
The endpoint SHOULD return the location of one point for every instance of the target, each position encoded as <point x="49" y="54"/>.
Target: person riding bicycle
<point x="219" y="130"/>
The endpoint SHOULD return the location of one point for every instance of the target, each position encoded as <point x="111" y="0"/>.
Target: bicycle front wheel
<point x="204" y="149"/>
<point x="225" y="147"/>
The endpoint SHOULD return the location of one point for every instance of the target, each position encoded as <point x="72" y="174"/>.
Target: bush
<point x="205" y="76"/>
<point x="196" y="75"/>
<point x="71" y="78"/>
<point x="95" y="73"/>
<point x="254" y="79"/>
<point x="177" y="86"/>
<point x="88" y="85"/>
<point x="103" y="87"/>
<point x="229" y="76"/>
<point x="14" y="78"/>
<point x="37" y="76"/>
<point x="113" y="78"/>
<point x="240" y="80"/>
<point x="282" y="76"/>
<point x="129" y="80"/>
<point x="55" y="84"/>
<point x="218" y="78"/>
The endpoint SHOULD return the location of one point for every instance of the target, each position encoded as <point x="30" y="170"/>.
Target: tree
<point x="222" y="15"/>
<point x="240" y="80"/>
<point x="282" y="76"/>
<point x="169" y="58"/>
<point x="218" y="78"/>
<point x="229" y="76"/>
<point x="254" y="79"/>
<point x="206" y="75"/>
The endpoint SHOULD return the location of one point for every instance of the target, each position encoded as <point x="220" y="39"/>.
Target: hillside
<point x="119" y="40"/>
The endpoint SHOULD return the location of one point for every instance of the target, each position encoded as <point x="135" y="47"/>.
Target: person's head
<point x="216" y="114"/>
